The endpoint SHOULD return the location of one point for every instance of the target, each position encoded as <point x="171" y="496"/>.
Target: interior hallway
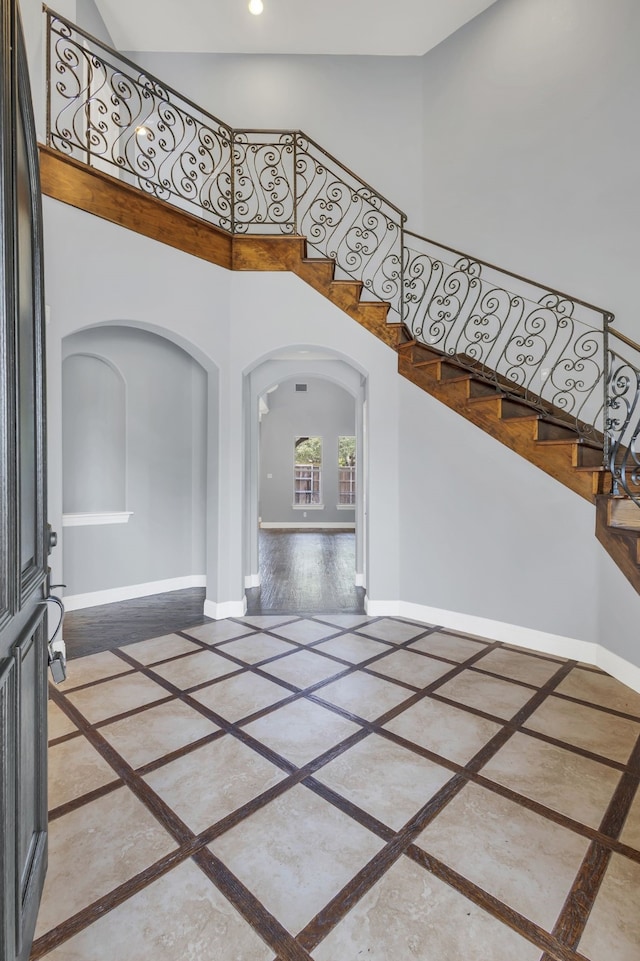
<point x="306" y="572"/>
<point x="338" y="787"/>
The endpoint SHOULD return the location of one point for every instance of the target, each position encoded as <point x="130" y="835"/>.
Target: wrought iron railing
<point x="622" y="390"/>
<point x="549" y="349"/>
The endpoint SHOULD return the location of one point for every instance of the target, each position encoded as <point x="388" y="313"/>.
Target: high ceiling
<point x="375" y="27"/>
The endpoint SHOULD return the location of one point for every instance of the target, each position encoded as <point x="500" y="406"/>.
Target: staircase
<point x="539" y="371"/>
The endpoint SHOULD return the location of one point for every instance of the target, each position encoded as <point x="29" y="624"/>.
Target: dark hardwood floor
<point x="306" y="572"/>
<point x="302" y="572"/>
<point x="112" y="625"/>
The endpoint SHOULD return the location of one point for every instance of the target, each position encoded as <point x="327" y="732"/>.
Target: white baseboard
<point x="294" y="525"/>
<point x="77" y="602"/>
<point x="252" y="580"/>
<point x="586" y="651"/>
<point x="218" y="611"/>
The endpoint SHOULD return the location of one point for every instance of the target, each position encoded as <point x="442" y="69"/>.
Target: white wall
<point x="229" y="323"/>
<point x="366" y="111"/>
<point x="520" y="139"/>
<point x="484" y="532"/>
<point x="532" y="146"/>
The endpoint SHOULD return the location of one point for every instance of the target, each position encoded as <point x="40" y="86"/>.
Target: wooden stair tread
<point x="582" y="441"/>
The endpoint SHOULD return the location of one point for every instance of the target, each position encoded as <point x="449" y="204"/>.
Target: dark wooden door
<point x="23" y="574"/>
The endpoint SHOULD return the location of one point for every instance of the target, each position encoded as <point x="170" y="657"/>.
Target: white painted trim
<point x="613" y="664"/>
<point x="77" y="602"/>
<point x="99" y="517"/>
<point x="360" y="580"/>
<point x="218" y="611"/>
<point x="252" y="580"/>
<point x="327" y="525"/>
<point x="307" y="507"/>
<point x="345" y="507"/>
<point x="586" y="651"/>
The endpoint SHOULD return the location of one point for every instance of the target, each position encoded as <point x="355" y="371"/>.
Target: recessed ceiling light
<point x="256" y="7"/>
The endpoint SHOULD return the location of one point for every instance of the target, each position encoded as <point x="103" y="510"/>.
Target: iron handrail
<point x="550" y="349"/>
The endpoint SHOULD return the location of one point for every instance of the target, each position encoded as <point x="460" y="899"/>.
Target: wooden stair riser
<point x="623" y="513"/>
<point x="622" y="545"/>
<point x="555" y="460"/>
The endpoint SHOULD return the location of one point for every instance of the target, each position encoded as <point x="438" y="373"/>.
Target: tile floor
<point x="336" y="789"/>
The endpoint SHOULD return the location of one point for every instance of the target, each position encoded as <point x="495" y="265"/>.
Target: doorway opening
<point x="306" y="485"/>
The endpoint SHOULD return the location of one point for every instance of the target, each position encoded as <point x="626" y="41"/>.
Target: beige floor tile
<point x="195" y="669"/>
<point x="305" y="632"/>
<point x="217" y="631"/>
<point x="343" y="620"/>
<point x="523" y="859"/>
<point x="586" y="727"/>
<point x="600" y="689"/>
<point x="257" y="647"/>
<point x="268" y="621"/>
<point x="301" y="731"/>
<point x="631" y="831"/>
<point x="411" y="667"/>
<point x="180" y="916"/>
<point x="304" y="668"/>
<point x="409" y="915"/>
<point x="295" y="854"/>
<point x="519" y="666"/>
<point x="204" y="786"/>
<point x="397" y="632"/>
<point x="158" y="731"/>
<point x="94" y="849"/>
<point x="364" y="695"/>
<point x="116" y="697"/>
<point x="445" y="730"/>
<point x="58" y="722"/>
<point x="237" y="697"/>
<point x="387" y="780"/>
<point x="448" y="645"/>
<point x="75" y="768"/>
<point x="566" y="782"/>
<point x="159" y="648"/>
<point x="489" y="694"/>
<point x="352" y="648"/>
<point x="93" y="667"/>
<point x="613" y="928"/>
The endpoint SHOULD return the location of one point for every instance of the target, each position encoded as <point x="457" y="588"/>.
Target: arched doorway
<point x="305" y="550"/>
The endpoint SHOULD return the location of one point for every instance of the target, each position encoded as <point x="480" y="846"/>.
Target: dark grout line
<point x="395" y="843"/>
<point x="274" y="934"/>
<point x="333" y="913"/>
<point x="574" y="915"/>
<point x="75" y="803"/>
<point x="82" y="919"/>
<point x="492" y="905"/>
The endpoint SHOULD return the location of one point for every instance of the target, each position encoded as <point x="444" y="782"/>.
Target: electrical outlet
<point x="304" y="513"/>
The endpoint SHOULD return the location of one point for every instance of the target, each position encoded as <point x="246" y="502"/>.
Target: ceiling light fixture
<point x="256" y="7"/>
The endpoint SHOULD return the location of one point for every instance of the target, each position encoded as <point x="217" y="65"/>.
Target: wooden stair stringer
<point x="622" y="545"/>
<point x="104" y="196"/>
<point x="518" y="434"/>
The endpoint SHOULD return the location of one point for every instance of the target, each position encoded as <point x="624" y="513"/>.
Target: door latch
<point x="57" y="660"/>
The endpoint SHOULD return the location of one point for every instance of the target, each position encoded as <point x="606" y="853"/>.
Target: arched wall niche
<point x="94" y="440"/>
<point x="156" y="397"/>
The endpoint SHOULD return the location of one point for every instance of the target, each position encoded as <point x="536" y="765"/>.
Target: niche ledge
<point x="94" y="518"/>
